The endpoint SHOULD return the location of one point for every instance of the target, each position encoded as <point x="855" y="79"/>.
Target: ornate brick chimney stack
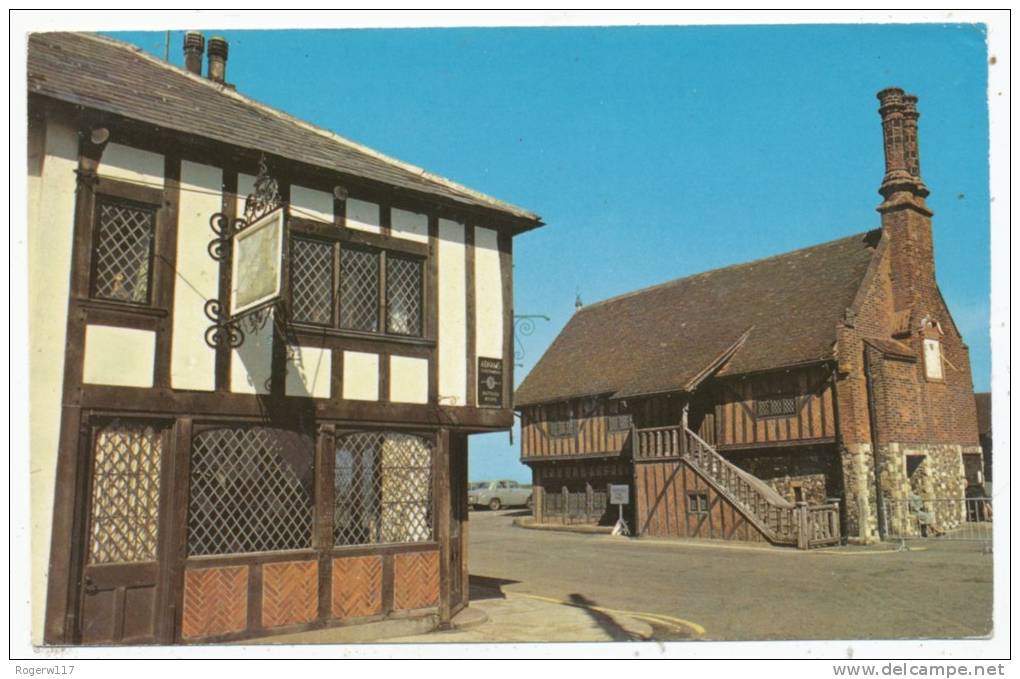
<point x="906" y="219"/>
<point x="194" y="46"/>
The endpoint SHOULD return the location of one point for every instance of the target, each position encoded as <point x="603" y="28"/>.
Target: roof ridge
<point x="675" y="281"/>
<point x="329" y="134"/>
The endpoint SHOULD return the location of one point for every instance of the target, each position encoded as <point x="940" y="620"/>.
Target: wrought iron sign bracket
<point x="524" y="326"/>
<point x="227" y="330"/>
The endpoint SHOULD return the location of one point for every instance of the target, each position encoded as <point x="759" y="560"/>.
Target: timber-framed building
<point x="788" y="400"/>
<point x="201" y="481"/>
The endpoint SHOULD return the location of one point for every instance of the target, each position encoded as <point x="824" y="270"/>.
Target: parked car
<point x="497" y="494"/>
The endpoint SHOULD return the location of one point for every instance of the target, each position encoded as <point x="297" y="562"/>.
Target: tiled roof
<point x="110" y="75"/>
<point x="663" y="338"/>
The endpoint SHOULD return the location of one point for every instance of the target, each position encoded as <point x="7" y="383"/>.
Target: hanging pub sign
<point x="258" y="264"/>
<point x="490" y="382"/>
<point x="255" y="247"/>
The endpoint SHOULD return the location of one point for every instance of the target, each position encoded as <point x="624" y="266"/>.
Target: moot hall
<point x="793" y="399"/>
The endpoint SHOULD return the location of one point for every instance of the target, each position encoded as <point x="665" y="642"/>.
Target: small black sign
<point x="490" y="382"/>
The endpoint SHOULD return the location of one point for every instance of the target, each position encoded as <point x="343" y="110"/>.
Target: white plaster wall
<point x="311" y="204"/>
<point x="245" y="186"/>
<point x="488" y="295"/>
<point x="409" y="225"/>
<point x="409" y="379"/>
<point x="53" y="157"/>
<point x="192" y="361"/>
<point x="122" y="357"/>
<point x="452" y="350"/>
<point x="361" y="376"/>
<point x="132" y="165"/>
<point x="308" y="371"/>
<point x="363" y="215"/>
<point x="251" y="364"/>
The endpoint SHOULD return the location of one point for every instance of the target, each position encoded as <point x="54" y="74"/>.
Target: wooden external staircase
<point x="779" y="520"/>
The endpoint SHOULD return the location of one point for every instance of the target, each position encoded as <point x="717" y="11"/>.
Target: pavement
<point x="494" y="617"/>
<point x="552" y="586"/>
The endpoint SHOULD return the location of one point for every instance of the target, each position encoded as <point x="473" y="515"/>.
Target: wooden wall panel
<point x="215" y="601"/>
<point x="357" y="586"/>
<point x="663" y="487"/>
<point x="739" y="426"/>
<point x="415" y="580"/>
<point x="290" y="592"/>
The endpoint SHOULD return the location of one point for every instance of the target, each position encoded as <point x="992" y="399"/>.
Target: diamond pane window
<point x="251" y="491"/>
<point x="776" y="407"/>
<point x="383" y="489"/>
<point x="123" y="251"/>
<point x="312" y="281"/>
<point x="124" y="525"/>
<point x="359" y="290"/>
<point x="403" y="296"/>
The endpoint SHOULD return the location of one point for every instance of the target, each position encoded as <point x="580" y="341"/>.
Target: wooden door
<point x="119" y="589"/>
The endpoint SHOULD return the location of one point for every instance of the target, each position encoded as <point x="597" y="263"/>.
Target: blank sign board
<point x="257" y="271"/>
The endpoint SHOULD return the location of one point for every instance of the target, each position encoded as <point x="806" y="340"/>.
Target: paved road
<point x="744" y="593"/>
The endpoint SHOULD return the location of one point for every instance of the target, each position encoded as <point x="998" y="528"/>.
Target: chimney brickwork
<point x="933" y="419"/>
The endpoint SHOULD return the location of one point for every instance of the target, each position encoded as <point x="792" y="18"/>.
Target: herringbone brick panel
<point x="416" y="580"/>
<point x="290" y="592"/>
<point x="357" y="586"/>
<point x="215" y="601"/>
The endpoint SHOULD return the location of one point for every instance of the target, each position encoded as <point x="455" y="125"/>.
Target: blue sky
<point x="652" y="152"/>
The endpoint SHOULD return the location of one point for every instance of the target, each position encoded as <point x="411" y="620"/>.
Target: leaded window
<point x="124" y="518"/>
<point x="251" y="491"/>
<point x="359" y="290"/>
<point x="562" y="428"/>
<point x="403" y="295"/>
<point x="382" y="484"/>
<point x="122" y="256"/>
<point x="312" y="281"/>
<point x="619" y="422"/>
<point x="356" y="287"/>
<point x="780" y="406"/>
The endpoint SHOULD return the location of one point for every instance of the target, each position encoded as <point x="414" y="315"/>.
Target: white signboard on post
<point x="257" y="271"/>
<point x="619" y="494"/>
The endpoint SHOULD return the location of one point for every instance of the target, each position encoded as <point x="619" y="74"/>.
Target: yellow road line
<point x="769" y="549"/>
<point x="654" y="617"/>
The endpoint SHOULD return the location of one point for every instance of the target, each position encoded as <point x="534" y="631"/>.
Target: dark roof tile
<point x="99" y="72"/>
<point x="662" y="338"/>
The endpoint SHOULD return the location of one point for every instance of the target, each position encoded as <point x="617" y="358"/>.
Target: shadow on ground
<point x="603" y="620"/>
<point x="481" y="587"/>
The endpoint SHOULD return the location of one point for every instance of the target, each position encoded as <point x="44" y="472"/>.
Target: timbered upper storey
<point x="400" y="281"/>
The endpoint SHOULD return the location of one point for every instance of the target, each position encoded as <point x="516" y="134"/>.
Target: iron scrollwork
<point x="524" y="326"/>
<point x="227" y="331"/>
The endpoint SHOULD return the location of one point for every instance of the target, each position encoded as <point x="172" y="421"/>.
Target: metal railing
<point x="951" y="519"/>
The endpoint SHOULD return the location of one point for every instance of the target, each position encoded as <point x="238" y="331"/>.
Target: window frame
<point x="142" y="199"/>
<point x="697" y="502"/>
<point x="759" y="400"/>
<point x="569" y="425"/>
<point x="384" y="247"/>
<point x="329" y="470"/>
<point x="613" y="422"/>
